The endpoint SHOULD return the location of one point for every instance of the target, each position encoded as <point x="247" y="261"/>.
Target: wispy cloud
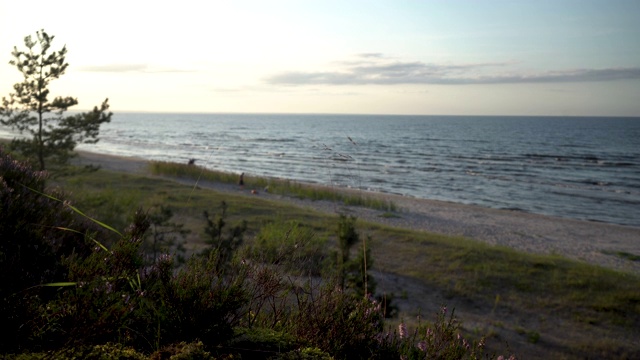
<point x="376" y="69"/>
<point x="372" y="55"/>
<point x="136" y="68"/>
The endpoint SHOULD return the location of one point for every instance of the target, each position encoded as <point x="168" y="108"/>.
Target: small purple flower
<point x="164" y="258"/>
<point x="422" y="345"/>
<point x="402" y="330"/>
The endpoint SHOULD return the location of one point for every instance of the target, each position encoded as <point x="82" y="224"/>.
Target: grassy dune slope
<point x="540" y="306"/>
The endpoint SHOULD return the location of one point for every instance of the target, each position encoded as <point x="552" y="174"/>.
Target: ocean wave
<point x="491" y="161"/>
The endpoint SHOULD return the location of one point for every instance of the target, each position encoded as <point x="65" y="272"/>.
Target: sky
<point x="483" y="57"/>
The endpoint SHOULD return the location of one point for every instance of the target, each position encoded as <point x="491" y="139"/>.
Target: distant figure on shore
<point x="192" y="161"/>
<point x="241" y="180"/>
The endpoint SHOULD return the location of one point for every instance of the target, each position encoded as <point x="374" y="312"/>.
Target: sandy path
<point x="593" y="242"/>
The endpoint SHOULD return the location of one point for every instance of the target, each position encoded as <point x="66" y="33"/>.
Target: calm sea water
<point x="583" y="168"/>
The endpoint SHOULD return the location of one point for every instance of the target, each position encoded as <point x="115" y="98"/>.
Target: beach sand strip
<point x="592" y="242"/>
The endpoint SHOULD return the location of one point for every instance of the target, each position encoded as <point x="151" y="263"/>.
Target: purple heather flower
<point x="402" y="330"/>
<point x="422" y="345"/>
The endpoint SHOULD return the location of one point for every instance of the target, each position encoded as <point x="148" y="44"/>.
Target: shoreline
<point x="596" y="243"/>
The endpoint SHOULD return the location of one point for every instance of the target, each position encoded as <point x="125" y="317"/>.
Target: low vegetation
<point x="264" y="280"/>
<point x="93" y="293"/>
<point x="276" y="186"/>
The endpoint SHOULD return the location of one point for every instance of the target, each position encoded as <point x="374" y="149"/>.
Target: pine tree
<point x="29" y="109"/>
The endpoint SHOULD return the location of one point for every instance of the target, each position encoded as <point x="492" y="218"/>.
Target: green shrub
<point x="82" y="293"/>
<point x="99" y="307"/>
<point x="165" y="236"/>
<point x="222" y="240"/>
<point x="200" y="302"/>
<point x="183" y="351"/>
<point x="261" y="343"/>
<point x="290" y="245"/>
<point x="98" y="352"/>
<point x="342" y="325"/>
<point x="305" y="354"/>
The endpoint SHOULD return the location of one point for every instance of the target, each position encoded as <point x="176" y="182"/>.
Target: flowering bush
<point x="67" y="294"/>
<point x="440" y="339"/>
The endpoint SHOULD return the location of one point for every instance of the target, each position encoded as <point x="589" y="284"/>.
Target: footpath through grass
<point x="275" y="186"/>
<point x="601" y="306"/>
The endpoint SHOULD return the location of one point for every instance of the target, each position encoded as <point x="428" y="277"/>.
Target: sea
<point x="585" y="168"/>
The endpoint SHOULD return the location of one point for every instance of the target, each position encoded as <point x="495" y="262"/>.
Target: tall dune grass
<point x="275" y="186"/>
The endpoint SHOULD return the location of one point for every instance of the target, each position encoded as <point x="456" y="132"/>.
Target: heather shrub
<point x="343" y="326"/>
<point x="200" y="302"/>
<point x="114" y="298"/>
<point x="63" y="287"/>
<point x="68" y="294"/>
<point x="34" y="236"/>
<point x="99" y="306"/>
<point x="440" y="339"/>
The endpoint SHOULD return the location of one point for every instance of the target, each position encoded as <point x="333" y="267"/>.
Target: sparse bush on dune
<point x="65" y="294"/>
<point x="291" y="245"/>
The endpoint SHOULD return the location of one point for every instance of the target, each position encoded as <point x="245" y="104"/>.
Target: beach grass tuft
<point x="623" y="255"/>
<point x="272" y="185"/>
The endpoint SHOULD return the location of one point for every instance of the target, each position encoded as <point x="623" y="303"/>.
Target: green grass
<point x="623" y="255"/>
<point x="479" y="271"/>
<point x="547" y="285"/>
<point x="276" y="186"/>
<point x="114" y="197"/>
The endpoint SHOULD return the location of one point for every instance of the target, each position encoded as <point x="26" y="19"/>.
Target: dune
<point x="608" y="245"/>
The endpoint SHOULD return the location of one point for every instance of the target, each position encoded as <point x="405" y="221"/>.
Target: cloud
<point x="376" y="69"/>
<point x="137" y="68"/>
<point x="372" y="55"/>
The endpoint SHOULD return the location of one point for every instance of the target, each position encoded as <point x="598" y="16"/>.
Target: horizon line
<point x="351" y="114"/>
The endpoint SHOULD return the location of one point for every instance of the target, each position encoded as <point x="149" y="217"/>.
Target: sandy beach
<point x="592" y="242"/>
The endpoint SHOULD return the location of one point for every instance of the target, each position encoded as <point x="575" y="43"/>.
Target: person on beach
<point x="241" y="180"/>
